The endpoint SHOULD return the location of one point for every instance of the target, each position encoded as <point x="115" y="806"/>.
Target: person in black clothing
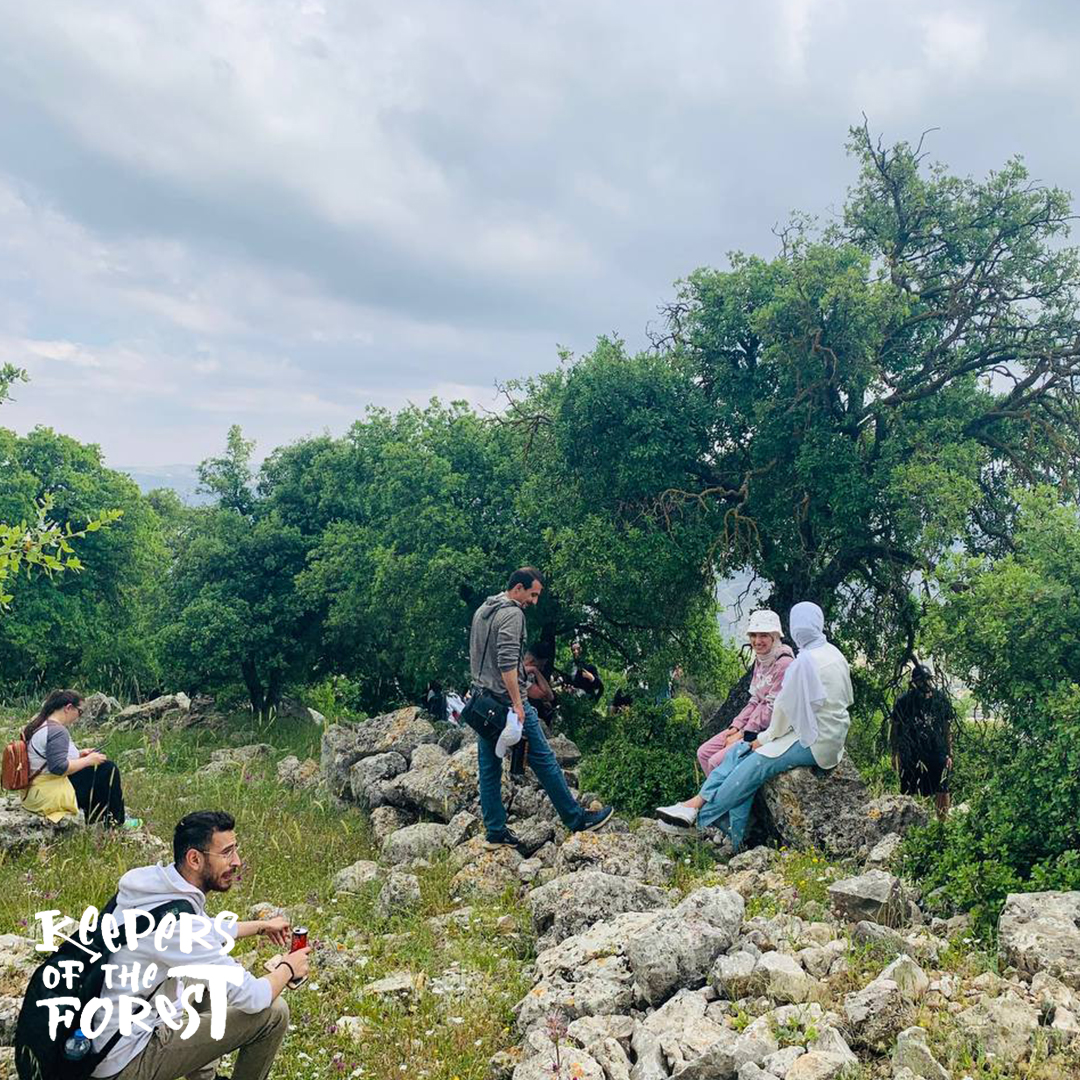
<point x="435" y="700"/>
<point x="920" y="738"/>
<point x="584" y="676"/>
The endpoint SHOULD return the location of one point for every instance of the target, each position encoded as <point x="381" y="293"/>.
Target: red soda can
<point x="299" y="938"/>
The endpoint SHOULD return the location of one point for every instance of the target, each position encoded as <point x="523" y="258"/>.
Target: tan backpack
<point x="15" y="774"/>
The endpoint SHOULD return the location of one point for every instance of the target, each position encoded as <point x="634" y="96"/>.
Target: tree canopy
<point x="838" y="417"/>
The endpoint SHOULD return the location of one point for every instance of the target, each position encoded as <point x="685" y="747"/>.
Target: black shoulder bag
<point x="484" y="712"/>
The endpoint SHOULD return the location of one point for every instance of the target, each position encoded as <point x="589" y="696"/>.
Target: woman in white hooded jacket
<point x="809" y="726"/>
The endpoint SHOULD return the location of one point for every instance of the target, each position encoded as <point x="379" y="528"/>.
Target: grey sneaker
<point x="504" y="839"/>
<point x="595" y="819"/>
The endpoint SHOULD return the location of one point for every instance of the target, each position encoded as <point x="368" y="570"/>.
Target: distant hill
<point x="183" y="479"/>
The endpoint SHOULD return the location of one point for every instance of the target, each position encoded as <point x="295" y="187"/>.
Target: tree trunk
<point x="273" y="693"/>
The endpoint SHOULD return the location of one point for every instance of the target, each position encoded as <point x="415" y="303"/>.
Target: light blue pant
<point x="541" y="759"/>
<point x="731" y="786"/>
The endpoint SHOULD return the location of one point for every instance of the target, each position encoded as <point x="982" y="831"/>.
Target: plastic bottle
<point x="77" y="1046"/>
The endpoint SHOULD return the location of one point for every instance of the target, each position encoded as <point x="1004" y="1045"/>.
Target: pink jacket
<point x="764" y="686"/>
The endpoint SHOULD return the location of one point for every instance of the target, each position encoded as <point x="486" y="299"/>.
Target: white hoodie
<point x="146" y="888"/>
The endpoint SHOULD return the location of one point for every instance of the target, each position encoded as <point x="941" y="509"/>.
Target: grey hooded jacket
<point x="497" y="644"/>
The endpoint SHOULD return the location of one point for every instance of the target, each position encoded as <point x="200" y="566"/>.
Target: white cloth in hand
<point x="511" y="734"/>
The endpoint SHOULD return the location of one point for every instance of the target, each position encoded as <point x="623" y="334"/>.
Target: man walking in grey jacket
<point x="496" y="655"/>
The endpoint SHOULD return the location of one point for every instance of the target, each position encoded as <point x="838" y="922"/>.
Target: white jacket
<point x="146" y="888"/>
<point x="832" y="717"/>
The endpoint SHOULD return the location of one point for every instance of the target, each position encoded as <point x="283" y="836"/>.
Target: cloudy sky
<point x="278" y="212"/>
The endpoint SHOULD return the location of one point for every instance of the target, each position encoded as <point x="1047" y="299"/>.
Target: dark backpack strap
<point x="487" y="642"/>
<point x="173" y="906"/>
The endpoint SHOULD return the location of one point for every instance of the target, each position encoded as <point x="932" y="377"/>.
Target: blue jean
<point x="541" y="758"/>
<point x="731" y="786"/>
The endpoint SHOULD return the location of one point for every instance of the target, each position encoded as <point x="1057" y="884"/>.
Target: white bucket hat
<point x="764" y="621"/>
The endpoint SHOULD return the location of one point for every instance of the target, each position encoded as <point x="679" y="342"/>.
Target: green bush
<point x="1012" y="627"/>
<point x="337" y="697"/>
<point x="580" y="719"/>
<point x="648" y="757"/>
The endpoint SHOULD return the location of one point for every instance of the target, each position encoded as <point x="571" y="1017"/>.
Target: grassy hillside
<point x="292" y="845"/>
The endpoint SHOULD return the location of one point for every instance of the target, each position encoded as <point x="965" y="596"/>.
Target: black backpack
<point x="38" y="1057"/>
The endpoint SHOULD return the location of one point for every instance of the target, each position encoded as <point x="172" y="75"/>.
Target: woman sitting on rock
<point x="771" y="660"/>
<point x="809" y="725"/>
<point x="65" y="778"/>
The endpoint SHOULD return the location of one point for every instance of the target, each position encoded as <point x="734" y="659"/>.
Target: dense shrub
<point x="647" y="758"/>
<point x="1012" y="628"/>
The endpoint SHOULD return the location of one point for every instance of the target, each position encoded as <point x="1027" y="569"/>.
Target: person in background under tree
<point x="538" y="691"/>
<point x="920" y="738"/>
<point x="584" y="676"/>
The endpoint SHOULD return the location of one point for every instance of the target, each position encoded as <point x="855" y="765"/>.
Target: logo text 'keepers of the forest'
<point x="135" y="980"/>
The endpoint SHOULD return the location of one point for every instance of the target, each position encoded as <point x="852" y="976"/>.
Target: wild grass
<point x="292" y="844"/>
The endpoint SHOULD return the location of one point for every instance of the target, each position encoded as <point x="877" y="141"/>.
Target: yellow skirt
<point x="51" y="796"/>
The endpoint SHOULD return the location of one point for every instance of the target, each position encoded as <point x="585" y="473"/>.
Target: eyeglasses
<point x="228" y="853"/>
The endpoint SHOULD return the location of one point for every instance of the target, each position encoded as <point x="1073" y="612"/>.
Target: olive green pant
<point x="256" y="1035"/>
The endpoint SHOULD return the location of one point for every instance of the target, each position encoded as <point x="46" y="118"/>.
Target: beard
<point x="221" y="882"/>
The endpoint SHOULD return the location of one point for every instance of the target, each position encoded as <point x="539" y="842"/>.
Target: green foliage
<point x="831" y="418"/>
<point x="36" y="542"/>
<point x="9" y="374"/>
<point x="586" y="723"/>
<point x="44" y="545"/>
<point x="648" y="757"/>
<point x="70" y="627"/>
<point x="407" y="521"/>
<point x="236" y="614"/>
<point x="336" y="696"/>
<point x="1009" y="626"/>
<point x="229" y="477"/>
<point x="606" y="435"/>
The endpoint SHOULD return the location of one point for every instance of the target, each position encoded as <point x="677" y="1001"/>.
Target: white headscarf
<point x="803" y="689"/>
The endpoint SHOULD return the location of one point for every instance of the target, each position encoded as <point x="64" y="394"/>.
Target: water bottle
<point x="77" y="1046"/>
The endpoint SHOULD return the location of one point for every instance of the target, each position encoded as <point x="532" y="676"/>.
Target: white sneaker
<point x="677" y="815"/>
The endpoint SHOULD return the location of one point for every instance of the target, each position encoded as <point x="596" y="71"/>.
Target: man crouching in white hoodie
<point x="205" y="860"/>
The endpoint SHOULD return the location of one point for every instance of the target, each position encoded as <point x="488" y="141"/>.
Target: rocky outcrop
<point x="441" y="790"/>
<point x="875" y="896"/>
<point x="622" y="854"/>
<point x="20" y="829"/>
<point x="830" y="812"/>
<point x="878" y="1012"/>
<point x="573" y="902"/>
<point x="399" y="732"/>
<point x="400" y="892"/>
<point x="236" y="760"/>
<point x="294" y="773"/>
<point x="912" y="1052"/>
<point x="482" y="871"/>
<point x="420" y="841"/>
<point x="354" y="878"/>
<point x="1004" y="1026"/>
<point x="149" y="711"/>
<point x="368" y="778"/>
<point x="98" y="707"/>
<point x="1040" y="932"/>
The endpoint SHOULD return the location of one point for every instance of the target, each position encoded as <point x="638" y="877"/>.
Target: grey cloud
<point x="366" y="203"/>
